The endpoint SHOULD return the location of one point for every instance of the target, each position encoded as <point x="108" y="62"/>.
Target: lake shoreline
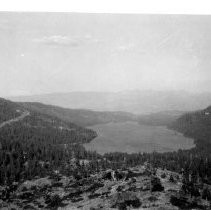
<point x="131" y="137"/>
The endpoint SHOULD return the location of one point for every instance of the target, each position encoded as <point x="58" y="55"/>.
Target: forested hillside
<point x="33" y="138"/>
<point x="79" y="116"/>
<point x="160" y="118"/>
<point x="196" y="125"/>
<point x="9" y="110"/>
<point x="33" y="132"/>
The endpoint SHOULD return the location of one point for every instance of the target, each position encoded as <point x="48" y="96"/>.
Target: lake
<point x="132" y="137"/>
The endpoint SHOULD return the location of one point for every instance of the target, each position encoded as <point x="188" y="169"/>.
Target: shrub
<point x="171" y="178"/>
<point x="206" y="194"/>
<point x="156" y="184"/>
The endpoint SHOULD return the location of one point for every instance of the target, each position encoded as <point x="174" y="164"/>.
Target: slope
<point x="29" y="137"/>
<point x="196" y="125"/>
<point x="79" y="116"/>
<point x="160" y="118"/>
<point x="9" y="110"/>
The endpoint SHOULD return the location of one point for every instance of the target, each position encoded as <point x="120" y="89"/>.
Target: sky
<point x="64" y="52"/>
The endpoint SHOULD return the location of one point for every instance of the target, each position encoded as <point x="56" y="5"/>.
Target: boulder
<point x="93" y="195"/>
<point x="53" y="200"/>
<point x="106" y="190"/>
<point x="113" y="175"/>
<point x="35" y="184"/>
<point x="146" y="186"/>
<point x="183" y="202"/>
<point x="129" y="174"/>
<point x="65" y="180"/>
<point x="74" y="200"/>
<point x="107" y="175"/>
<point x="75" y="193"/>
<point x="25" y="195"/>
<point x="125" y="199"/>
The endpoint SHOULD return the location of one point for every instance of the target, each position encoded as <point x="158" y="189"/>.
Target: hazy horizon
<point x="112" y="92"/>
<point x="44" y="53"/>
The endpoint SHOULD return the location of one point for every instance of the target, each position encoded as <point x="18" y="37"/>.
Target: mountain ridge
<point x="196" y="125"/>
<point x="82" y="117"/>
<point x="136" y="102"/>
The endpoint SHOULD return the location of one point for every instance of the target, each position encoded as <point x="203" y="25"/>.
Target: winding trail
<point x="21" y="117"/>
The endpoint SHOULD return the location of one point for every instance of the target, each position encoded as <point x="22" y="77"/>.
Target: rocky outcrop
<point x="35" y="184"/>
<point x="110" y="189"/>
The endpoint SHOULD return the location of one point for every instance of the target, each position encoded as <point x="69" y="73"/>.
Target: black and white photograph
<point x="105" y="110"/>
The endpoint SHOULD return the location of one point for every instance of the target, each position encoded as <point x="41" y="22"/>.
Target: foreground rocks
<point x="134" y="188"/>
<point x="122" y="200"/>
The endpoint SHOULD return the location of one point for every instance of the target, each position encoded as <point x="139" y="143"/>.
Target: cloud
<point x="124" y="48"/>
<point x="91" y="39"/>
<point x="59" y="40"/>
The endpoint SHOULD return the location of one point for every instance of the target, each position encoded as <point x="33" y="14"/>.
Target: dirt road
<point x="22" y="116"/>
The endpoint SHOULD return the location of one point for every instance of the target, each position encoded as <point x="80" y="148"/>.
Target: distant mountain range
<point x="137" y="102"/>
